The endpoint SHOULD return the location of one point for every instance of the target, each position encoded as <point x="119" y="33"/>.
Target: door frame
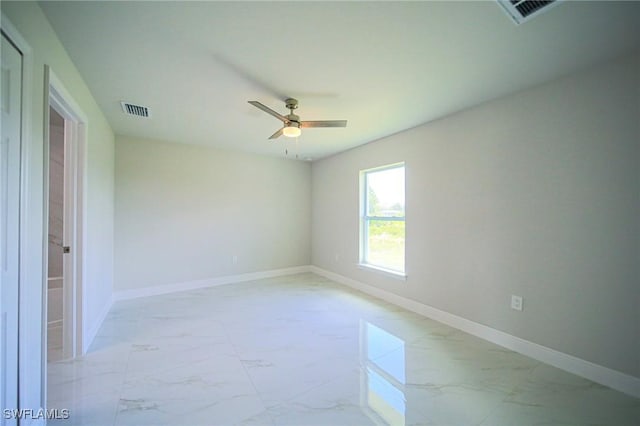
<point x="31" y="352"/>
<point x="10" y="187"/>
<point x="75" y="133"/>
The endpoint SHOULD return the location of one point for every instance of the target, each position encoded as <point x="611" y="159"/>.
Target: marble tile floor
<point x="302" y="350"/>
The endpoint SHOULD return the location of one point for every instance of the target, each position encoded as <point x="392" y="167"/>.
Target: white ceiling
<point x="383" y="66"/>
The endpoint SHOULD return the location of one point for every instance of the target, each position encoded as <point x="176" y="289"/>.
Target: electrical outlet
<point x="516" y="302"/>
<point x="337" y="257"/>
<point x="235" y="260"/>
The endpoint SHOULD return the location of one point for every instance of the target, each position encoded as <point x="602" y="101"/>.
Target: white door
<point x="10" y="103"/>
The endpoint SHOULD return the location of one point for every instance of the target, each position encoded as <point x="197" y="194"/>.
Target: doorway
<point x="56" y="241"/>
<point x="64" y="248"/>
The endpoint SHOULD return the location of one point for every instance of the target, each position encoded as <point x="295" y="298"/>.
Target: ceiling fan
<point x="292" y="123"/>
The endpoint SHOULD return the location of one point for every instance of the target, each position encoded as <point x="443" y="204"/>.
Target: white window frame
<point x="365" y="219"/>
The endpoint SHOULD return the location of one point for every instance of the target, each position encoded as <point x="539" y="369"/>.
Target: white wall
<point x="47" y="50"/>
<point x="535" y="194"/>
<point x="183" y="211"/>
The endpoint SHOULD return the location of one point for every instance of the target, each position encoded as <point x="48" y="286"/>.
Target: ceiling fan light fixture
<point x="292" y="130"/>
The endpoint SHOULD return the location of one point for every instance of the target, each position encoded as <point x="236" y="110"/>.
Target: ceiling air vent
<point x="137" y="110"/>
<point x="523" y="10"/>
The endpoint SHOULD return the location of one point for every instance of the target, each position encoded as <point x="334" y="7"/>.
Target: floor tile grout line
<point x="246" y="372"/>
<point x="122" y="385"/>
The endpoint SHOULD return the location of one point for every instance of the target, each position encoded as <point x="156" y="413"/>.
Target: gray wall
<point x="184" y="211"/>
<point x="534" y="194"/>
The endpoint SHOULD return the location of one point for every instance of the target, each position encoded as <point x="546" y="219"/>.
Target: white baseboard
<point x="597" y="373"/>
<point x="93" y="331"/>
<point x="211" y="282"/>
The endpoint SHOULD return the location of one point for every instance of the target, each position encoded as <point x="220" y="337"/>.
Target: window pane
<point x="385" y="193"/>
<point x="385" y="246"/>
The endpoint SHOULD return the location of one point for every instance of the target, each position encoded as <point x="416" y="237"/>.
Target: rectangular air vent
<point x="523" y="10"/>
<point x="137" y="110"/>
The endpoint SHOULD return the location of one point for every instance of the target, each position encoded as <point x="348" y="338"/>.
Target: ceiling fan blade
<point x="324" y="123"/>
<point x="276" y="135"/>
<point x="268" y="110"/>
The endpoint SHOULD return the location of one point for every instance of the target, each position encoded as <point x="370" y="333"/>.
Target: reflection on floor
<point x="302" y="350"/>
<point x="382" y="378"/>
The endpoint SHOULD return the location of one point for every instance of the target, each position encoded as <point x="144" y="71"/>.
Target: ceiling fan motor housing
<point x="291" y="103"/>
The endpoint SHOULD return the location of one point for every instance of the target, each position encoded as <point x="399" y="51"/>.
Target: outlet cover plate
<point x="516" y="302"/>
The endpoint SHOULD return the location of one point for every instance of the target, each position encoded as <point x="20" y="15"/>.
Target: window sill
<point x="382" y="271"/>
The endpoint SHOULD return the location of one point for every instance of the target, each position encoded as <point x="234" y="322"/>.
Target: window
<point x="382" y="218"/>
